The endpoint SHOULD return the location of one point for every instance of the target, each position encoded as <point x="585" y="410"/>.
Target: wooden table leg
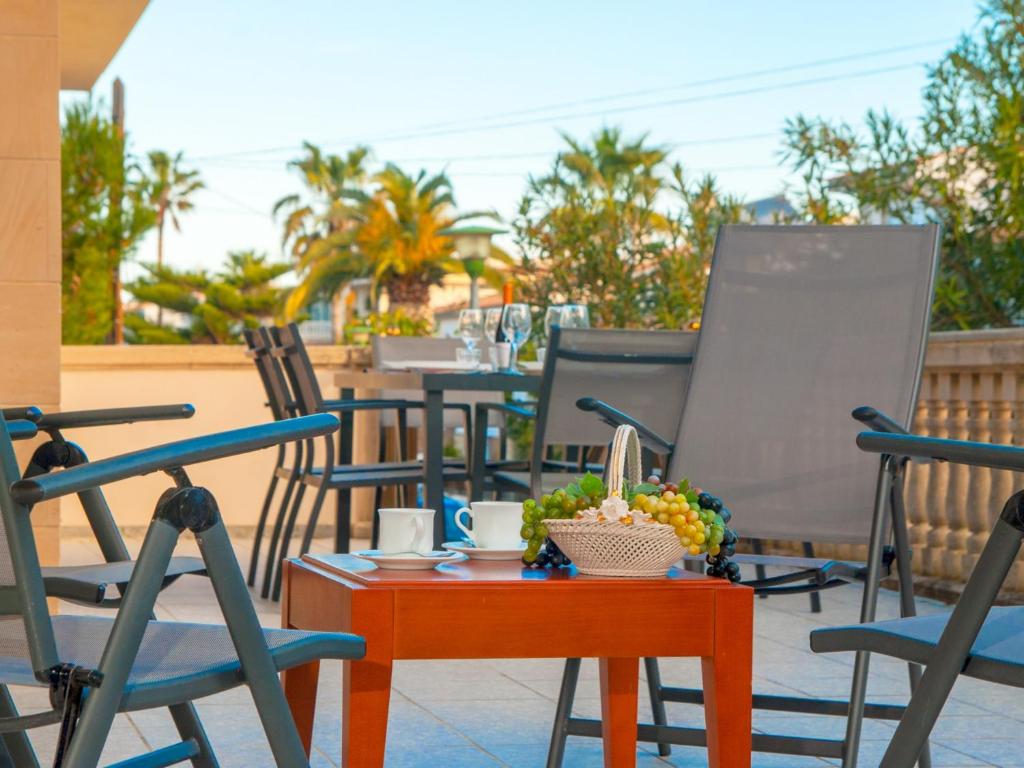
<point x="618" y="710"/>
<point x="300" y="685"/>
<point x="366" y="684"/>
<point x="727" y="681"/>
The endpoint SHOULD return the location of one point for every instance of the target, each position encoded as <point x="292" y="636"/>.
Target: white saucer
<point x="408" y="561"/>
<point x="479" y="553"/>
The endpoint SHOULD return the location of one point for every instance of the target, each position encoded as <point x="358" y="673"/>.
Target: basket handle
<point x="624" y="461"/>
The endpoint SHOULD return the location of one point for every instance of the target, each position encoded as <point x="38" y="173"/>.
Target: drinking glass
<point x="516" y="324"/>
<point x="471" y="327"/>
<point x="575" y="316"/>
<point x="553" y="316"/>
<point x="492" y="319"/>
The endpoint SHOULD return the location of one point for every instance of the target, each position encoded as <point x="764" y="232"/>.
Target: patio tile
<point x="498" y="712"/>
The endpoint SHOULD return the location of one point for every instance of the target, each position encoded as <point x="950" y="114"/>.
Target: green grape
<point x="529" y="504"/>
<point x="545" y="500"/>
<point x="528" y="515"/>
<point x="541" y="530"/>
<point x="526" y="532"/>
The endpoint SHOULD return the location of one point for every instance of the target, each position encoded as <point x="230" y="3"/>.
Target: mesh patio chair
<point x="639" y="372"/>
<point x="283" y="404"/>
<point x="95" y="666"/>
<point x="976" y="639"/>
<point x="801" y="324"/>
<point x="334" y="470"/>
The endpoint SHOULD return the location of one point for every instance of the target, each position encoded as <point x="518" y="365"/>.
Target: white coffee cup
<point x="496" y="524"/>
<point x="406" y="530"/>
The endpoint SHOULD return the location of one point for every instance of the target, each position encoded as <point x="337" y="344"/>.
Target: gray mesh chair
<point x="639" y="372"/>
<point x="801" y="325"/>
<point x="976" y="639"/>
<point x="97" y="666"/>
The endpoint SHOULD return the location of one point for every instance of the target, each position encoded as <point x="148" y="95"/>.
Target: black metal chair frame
<point x="951" y="657"/>
<point x="809" y="576"/>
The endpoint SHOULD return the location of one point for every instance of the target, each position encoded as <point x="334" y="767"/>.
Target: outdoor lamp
<point x="473" y="246"/>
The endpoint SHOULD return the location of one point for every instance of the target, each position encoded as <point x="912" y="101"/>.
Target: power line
<point x="598" y="99"/>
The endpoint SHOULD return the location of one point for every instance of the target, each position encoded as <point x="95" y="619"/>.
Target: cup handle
<point x="417" y="538"/>
<point x="463" y="528"/>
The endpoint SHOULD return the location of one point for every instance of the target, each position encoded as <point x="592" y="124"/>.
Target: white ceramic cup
<point x="406" y="530"/>
<point x="496" y="524"/>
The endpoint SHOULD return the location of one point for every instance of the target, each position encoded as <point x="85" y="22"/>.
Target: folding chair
<point x="801" y="324"/>
<point x="640" y="372"/>
<point x="335" y="471"/>
<point x="97" y="666"/>
<point x="976" y="639"/>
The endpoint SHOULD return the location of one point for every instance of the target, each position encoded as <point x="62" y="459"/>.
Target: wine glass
<point x="470" y="328"/>
<point x="516" y="323"/>
<point x="553" y="316"/>
<point x="575" y="316"/>
<point x="492" y="319"/>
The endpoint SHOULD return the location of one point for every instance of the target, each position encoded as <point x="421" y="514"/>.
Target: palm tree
<point x="170" y="193"/>
<point x="388" y="230"/>
<point x="317" y="229"/>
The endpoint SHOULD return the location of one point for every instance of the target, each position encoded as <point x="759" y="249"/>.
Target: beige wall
<point x="30" y="218"/>
<point x="220" y="381"/>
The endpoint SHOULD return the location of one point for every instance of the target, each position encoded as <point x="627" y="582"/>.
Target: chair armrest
<point x="615" y="418"/>
<point x="22" y="429"/>
<point x="877" y="421"/>
<point x="345" y="406"/>
<point x="171" y="456"/>
<point x="514" y="410"/>
<point x="104" y="417"/>
<point x="956" y="451"/>
<point x="29" y="413"/>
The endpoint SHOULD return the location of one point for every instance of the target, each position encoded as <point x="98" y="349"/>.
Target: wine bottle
<point x="506" y="298"/>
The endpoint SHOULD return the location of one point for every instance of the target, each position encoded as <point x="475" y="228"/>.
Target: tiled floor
<point x="499" y="712"/>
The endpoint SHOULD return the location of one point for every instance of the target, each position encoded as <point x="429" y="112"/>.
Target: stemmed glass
<point x="492" y="319"/>
<point x="471" y="329"/>
<point x="516" y="324"/>
<point x="575" y="316"/>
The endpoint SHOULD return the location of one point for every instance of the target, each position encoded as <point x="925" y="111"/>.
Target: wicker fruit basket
<point x="610" y="548"/>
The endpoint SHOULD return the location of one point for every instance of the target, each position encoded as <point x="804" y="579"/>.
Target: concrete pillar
<point x="30" y="233"/>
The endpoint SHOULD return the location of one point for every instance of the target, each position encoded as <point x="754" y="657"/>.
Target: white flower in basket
<point x="613" y="540"/>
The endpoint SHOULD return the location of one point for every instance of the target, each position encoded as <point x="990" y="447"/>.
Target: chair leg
<point x="274" y="584"/>
<point x="280" y="543"/>
<point x="189" y="726"/>
<point x="560" y="730"/>
<point x="314" y="517"/>
<point x="375" y="527"/>
<point x="247" y="635"/>
<point x="759" y="571"/>
<point x="901" y="541"/>
<point x="15" y="748"/>
<point x="123" y="644"/>
<point x="282" y="512"/>
<point x="657" y="703"/>
<point x="261" y="524"/>
<point x="858" y="688"/>
<point x="343" y="520"/>
<point x="815" y="596"/>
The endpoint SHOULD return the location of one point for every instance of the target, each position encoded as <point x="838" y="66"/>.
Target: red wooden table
<point x="477" y="610"/>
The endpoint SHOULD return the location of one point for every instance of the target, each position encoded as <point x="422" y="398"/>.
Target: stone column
<point x="30" y="253"/>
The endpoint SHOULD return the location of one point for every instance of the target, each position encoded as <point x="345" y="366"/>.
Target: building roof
<point x="91" y="32"/>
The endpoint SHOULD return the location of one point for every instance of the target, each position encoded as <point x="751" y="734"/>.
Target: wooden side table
<point x="474" y="610"/>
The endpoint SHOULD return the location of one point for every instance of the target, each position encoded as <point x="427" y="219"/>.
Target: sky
<point x="483" y="90"/>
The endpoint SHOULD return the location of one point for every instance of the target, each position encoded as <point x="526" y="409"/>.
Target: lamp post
<point x="473" y="246"/>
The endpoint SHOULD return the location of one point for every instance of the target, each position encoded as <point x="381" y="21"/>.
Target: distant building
<point x="770" y="210"/>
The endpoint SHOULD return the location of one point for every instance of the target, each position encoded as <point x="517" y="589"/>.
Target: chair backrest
<point x="642" y="373"/>
<point x="24" y="616"/>
<point x="801" y="325"/>
<point x="271" y="375"/>
<point x="289" y="349"/>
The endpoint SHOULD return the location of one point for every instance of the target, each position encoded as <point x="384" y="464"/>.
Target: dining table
<point x="434" y="382"/>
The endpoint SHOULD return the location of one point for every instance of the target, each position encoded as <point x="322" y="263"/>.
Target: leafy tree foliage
<point x="594" y="230"/>
<point x="384" y="226"/>
<point x="963" y="167"/>
<point x="104" y="214"/>
<point x="217" y="307"/>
